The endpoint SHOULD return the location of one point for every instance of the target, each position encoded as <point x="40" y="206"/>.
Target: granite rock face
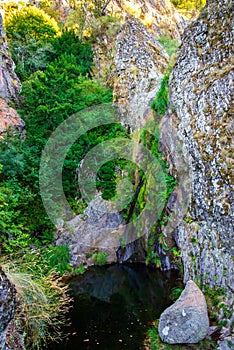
<point x="97" y="229"/>
<point x="10" y="338"/>
<point x="197" y="135"/>
<point x="9" y="118"/>
<point x="9" y="87"/>
<point x="140" y="64"/>
<point x="7" y="301"/>
<point x="186" y="321"/>
<point x="159" y="17"/>
<point x="9" y="83"/>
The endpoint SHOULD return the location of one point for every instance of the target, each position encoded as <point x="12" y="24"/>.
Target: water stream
<point x="114" y="307"/>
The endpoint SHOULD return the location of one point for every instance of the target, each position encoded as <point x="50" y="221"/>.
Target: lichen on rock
<point x="140" y="64"/>
<point x="10" y="85"/>
<point x="10" y="339"/>
<point x="9" y="118"/>
<point x="186" y="321"/>
<point x="201" y="88"/>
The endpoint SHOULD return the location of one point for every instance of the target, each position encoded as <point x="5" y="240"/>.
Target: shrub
<point x="43" y="299"/>
<point x="30" y="22"/>
<point x="100" y="258"/>
<point x="161" y="102"/>
<point x="30" y="31"/>
<point x="70" y="44"/>
<point x="170" y="45"/>
<point x="189" y="5"/>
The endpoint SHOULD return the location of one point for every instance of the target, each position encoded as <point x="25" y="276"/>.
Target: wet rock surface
<point x="186" y="321"/>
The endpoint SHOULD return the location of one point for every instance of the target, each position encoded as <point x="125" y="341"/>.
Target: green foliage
<point x="152" y="258"/>
<point x="13" y="234"/>
<point x="79" y="270"/>
<point x="176" y="293"/>
<point x="58" y="259"/>
<point x="170" y="45"/>
<point x="43" y="298"/>
<point x="154" y="342"/>
<point x="100" y="258"/>
<point x="189" y="5"/>
<point x="30" y="22"/>
<point x="11" y="157"/>
<point x="70" y="44"/>
<point x="58" y="92"/>
<point x="30" y="31"/>
<point x="161" y="102"/>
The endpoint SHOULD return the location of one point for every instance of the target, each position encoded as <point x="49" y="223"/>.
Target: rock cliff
<point x="140" y="64"/>
<point x="198" y="133"/>
<point x="159" y="17"/>
<point x="10" y="338"/>
<point x="9" y="83"/>
<point x="9" y="118"/>
<point x="9" y="87"/>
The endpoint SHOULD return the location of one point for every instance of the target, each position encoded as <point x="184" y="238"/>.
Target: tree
<point x="30" y="31"/>
<point x="189" y="5"/>
<point x="30" y="22"/>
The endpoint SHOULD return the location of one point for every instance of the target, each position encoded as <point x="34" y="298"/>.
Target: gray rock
<point x="10" y="337"/>
<point x="186" y="321"/>
<point x="140" y="65"/>
<point x="197" y="135"/>
<point x="10" y="85"/>
<point x="99" y="228"/>
<point x="226" y="344"/>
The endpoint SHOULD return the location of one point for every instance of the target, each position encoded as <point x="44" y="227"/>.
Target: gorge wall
<point x="197" y="138"/>
<point x="10" y="338"/>
<point x="9" y="83"/>
<point x="159" y="17"/>
<point x="140" y="64"/>
<point x="10" y="87"/>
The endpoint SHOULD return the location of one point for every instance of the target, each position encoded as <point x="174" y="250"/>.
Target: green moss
<point x="154" y="342"/>
<point x="100" y="258"/>
<point x="170" y="45"/>
<point x="161" y="102"/>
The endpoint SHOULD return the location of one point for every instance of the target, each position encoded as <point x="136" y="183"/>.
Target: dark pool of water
<point x="114" y="307"/>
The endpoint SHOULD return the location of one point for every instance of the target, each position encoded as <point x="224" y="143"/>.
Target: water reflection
<point x="113" y="307"/>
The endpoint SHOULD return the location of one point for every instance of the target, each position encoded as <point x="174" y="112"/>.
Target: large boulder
<point x="97" y="229"/>
<point x="186" y="321"/>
